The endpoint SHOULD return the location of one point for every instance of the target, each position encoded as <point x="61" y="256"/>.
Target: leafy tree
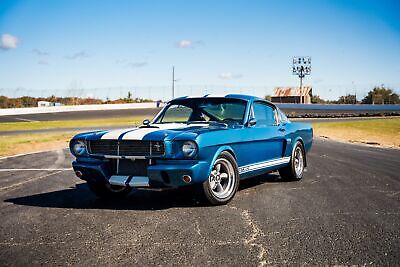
<point x="28" y="101"/>
<point x="381" y="95"/>
<point x="347" y="99"/>
<point x="316" y="99"/>
<point x="267" y="97"/>
<point x="4" y="102"/>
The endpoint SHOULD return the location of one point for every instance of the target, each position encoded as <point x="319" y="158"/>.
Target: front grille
<point x="126" y="147"/>
<point x="136" y="167"/>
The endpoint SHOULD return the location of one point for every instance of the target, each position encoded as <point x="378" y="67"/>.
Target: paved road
<point x="150" y="112"/>
<point x="345" y="211"/>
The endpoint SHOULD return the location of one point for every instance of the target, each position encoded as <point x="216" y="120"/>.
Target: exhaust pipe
<point x="79" y="174"/>
<point x="187" y="179"/>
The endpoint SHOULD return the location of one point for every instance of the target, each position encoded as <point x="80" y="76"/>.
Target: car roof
<point x="233" y="96"/>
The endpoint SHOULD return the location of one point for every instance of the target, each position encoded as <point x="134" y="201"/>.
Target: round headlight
<point x="79" y="148"/>
<point x="189" y="149"/>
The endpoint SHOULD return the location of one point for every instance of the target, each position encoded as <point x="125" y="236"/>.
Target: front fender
<point x="217" y="153"/>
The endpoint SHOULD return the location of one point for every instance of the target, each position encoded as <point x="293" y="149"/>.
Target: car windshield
<point x="188" y="110"/>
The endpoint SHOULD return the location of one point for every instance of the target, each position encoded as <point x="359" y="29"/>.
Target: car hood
<point x="156" y="132"/>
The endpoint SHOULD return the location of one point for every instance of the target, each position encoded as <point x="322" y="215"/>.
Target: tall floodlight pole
<point x="301" y="67"/>
<point x="173" y="82"/>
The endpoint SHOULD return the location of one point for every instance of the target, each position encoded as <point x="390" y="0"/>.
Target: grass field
<point x="383" y="132"/>
<point x="37" y="125"/>
<point x="12" y="145"/>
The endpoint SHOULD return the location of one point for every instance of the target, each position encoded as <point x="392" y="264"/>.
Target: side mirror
<point x="252" y="122"/>
<point x="146" y="122"/>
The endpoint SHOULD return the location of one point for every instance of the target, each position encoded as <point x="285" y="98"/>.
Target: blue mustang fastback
<point x="210" y="142"/>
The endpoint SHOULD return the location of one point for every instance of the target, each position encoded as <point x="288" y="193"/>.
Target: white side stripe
<point x="263" y="164"/>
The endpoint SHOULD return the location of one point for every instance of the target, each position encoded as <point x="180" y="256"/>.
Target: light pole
<point x="173" y="82"/>
<point x="301" y="67"/>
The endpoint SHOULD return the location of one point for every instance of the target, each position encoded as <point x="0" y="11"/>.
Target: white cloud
<point x="185" y="43"/>
<point x="78" y="55"/>
<point x="8" y="41"/>
<point x="230" y="75"/>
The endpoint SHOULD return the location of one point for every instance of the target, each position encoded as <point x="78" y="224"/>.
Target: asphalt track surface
<point x="346" y="210"/>
<point x="150" y="112"/>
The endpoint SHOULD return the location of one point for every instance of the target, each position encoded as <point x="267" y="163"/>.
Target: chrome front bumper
<point x="132" y="181"/>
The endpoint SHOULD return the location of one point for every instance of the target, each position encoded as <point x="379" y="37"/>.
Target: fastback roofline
<point x="233" y="96"/>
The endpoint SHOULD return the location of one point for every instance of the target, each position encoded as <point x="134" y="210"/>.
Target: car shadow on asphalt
<point x="80" y="197"/>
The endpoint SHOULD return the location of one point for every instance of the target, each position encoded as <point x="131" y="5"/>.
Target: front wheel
<point x="223" y="181"/>
<point x="294" y="171"/>
<point x="106" y="190"/>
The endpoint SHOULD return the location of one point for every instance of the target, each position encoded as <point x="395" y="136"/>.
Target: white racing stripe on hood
<point x="141" y="132"/>
<point x="115" y="134"/>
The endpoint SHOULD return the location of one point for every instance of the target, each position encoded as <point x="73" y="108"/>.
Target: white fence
<point x="38" y="110"/>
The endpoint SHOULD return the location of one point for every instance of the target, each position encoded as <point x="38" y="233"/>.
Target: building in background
<point x="48" y="104"/>
<point x="292" y="95"/>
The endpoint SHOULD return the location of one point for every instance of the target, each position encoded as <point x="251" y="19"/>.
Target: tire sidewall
<point x="207" y="189"/>
<point x="293" y="167"/>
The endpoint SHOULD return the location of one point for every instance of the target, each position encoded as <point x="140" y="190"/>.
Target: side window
<point x="264" y="114"/>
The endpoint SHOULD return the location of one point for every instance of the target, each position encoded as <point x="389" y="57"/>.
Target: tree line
<point x="28" y="101"/>
<point x="378" y="95"/>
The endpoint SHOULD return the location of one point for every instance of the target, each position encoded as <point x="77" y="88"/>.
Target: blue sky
<point x="216" y="46"/>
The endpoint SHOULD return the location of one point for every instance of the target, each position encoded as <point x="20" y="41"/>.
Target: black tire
<point x="221" y="186"/>
<point x="294" y="171"/>
<point x="106" y="190"/>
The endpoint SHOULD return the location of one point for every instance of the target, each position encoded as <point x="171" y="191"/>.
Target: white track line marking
<point x="30" y="153"/>
<point x="33" y="169"/>
<point x="22" y="119"/>
<point x="28" y="181"/>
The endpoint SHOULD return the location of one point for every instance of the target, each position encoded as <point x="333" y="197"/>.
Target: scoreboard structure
<point x="301" y="67"/>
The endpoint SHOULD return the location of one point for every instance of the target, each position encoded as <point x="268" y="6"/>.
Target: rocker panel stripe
<point x="263" y="164"/>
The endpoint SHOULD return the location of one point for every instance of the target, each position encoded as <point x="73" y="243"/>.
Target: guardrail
<point x="355" y="107"/>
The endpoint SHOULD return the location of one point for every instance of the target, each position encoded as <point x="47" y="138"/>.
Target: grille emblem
<point x="157" y="146"/>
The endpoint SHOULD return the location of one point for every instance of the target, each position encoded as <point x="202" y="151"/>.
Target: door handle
<point x="282" y="129"/>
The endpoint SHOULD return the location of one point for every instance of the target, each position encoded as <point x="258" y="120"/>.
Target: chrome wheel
<point x="222" y="178"/>
<point x="298" y="161"/>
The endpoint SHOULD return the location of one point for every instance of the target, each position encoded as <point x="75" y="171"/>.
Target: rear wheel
<point x="294" y="171"/>
<point x="106" y="190"/>
<point x="223" y="181"/>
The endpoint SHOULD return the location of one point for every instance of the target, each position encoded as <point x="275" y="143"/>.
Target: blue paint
<point x="265" y="146"/>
